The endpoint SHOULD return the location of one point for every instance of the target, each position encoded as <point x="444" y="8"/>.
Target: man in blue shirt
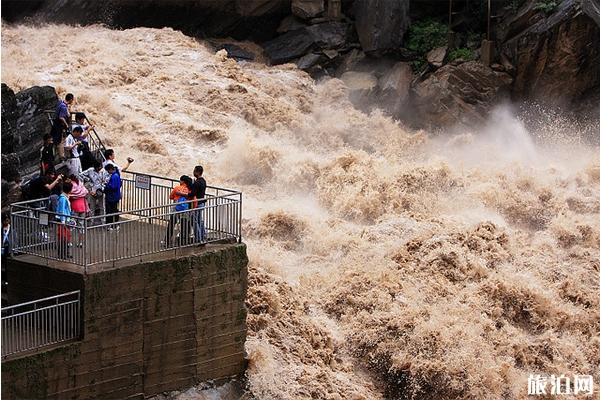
<point x="62" y="123"/>
<point x="112" y="194"/>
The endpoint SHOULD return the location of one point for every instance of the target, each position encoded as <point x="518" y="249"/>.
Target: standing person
<point x="72" y="144"/>
<point x="112" y="194"/>
<point x="86" y="156"/>
<point x="199" y="193"/>
<point x="61" y="122"/>
<point x="179" y="195"/>
<point x="5" y="236"/>
<point x="109" y="155"/>
<point x="63" y="217"/>
<point x="47" y="154"/>
<point x="77" y="197"/>
<point x="94" y="180"/>
<point x="43" y="186"/>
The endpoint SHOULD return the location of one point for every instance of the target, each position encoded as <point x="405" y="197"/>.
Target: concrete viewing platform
<point x="152" y="303"/>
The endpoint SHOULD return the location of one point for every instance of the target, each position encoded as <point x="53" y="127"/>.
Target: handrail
<point x="40" y="300"/>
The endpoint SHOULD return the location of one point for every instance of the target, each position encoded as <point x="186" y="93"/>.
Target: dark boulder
<point x="10" y="167"/>
<point x="307" y="9"/>
<point x="297" y="43"/>
<point x="381" y="24"/>
<point x="10" y="113"/>
<point x="329" y="35"/>
<point x="236" y="52"/>
<point x="556" y="56"/>
<point x="459" y="94"/>
<point x="33" y="123"/>
<point x="290" y="45"/>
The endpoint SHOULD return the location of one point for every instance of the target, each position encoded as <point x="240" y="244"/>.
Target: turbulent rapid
<point x="384" y="263"/>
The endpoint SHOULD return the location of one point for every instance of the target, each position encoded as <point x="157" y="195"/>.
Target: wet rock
<point x="381" y="24"/>
<point x="394" y="87"/>
<point x="350" y="61"/>
<point x="10" y="167"/>
<point x="362" y="87"/>
<point x="33" y="123"/>
<point x="256" y="8"/>
<point x="556" y="56"/>
<point x="436" y="56"/>
<point x="307" y="9"/>
<point x="290" y="45"/>
<point x="308" y="60"/>
<point x="462" y="94"/>
<point x="235" y="52"/>
<point x="329" y="35"/>
<point x="10" y="114"/>
<point x="290" y="23"/>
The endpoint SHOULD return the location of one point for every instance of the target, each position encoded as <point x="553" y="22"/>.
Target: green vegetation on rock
<point x="546" y="6"/>
<point x="461" y="53"/>
<point x="425" y="35"/>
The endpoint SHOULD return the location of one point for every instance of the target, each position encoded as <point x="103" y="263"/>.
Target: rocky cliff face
<point x="557" y="56"/>
<point x="24" y="124"/>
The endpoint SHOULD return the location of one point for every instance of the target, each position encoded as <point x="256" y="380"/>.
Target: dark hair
<point x="50" y="171"/>
<point x="47" y="136"/>
<point x="187" y="180"/>
<point x="67" y="187"/>
<point x="79" y="115"/>
<point x="199" y="169"/>
<point x="108" y="153"/>
<point x="74" y="177"/>
<point x="109" y="167"/>
<point x="96" y="164"/>
<point x="69" y="97"/>
<point x="78" y="129"/>
<point x="5" y="216"/>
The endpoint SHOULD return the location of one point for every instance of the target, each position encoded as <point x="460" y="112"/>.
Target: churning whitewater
<point x="383" y="263"/>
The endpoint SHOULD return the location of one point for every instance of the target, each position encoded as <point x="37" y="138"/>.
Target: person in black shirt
<point x="47" y="154"/>
<point x="199" y="193"/>
<point x="44" y="185"/>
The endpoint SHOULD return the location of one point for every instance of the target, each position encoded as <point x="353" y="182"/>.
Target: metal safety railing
<point x="147" y="223"/>
<point x="39" y="323"/>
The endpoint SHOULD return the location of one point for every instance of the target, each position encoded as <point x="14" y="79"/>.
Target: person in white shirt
<point x="109" y="155"/>
<point x="72" y="143"/>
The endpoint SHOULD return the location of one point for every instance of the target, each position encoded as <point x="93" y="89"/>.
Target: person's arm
<point x="126" y="165"/>
<point x="50" y="186"/>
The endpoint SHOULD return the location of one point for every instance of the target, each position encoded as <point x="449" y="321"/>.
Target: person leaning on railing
<point x="199" y="193"/>
<point x="109" y="155"/>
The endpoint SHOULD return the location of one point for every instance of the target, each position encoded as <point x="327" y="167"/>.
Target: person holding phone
<point x="109" y="155"/>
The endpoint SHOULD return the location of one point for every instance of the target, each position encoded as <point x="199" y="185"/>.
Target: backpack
<point x="181" y="205"/>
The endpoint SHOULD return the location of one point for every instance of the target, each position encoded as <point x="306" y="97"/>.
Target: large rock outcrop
<point x="381" y="24"/>
<point x="459" y="94"/>
<point x="24" y="124"/>
<point x="557" y="56"/>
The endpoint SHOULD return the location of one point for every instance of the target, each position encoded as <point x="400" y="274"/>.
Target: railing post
<point x="85" y="249"/>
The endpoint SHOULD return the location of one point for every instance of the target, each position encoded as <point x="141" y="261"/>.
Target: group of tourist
<point x="91" y="188"/>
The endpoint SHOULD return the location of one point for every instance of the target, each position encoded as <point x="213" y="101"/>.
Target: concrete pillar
<point x="487" y="52"/>
<point x="334" y="9"/>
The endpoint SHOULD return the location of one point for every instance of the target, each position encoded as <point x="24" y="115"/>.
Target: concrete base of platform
<point x="150" y="327"/>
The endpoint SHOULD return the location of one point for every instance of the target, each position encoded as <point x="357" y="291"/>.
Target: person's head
<point x="198" y="171"/>
<point x="109" y="154"/>
<point x="187" y="181"/>
<point x="50" y="173"/>
<point x="5" y="220"/>
<point x="74" y="178"/>
<point x="69" y="98"/>
<point x="80" y="117"/>
<point x="110" y="168"/>
<point x="48" y="139"/>
<point x="77" y="131"/>
<point x="97" y="166"/>
<point x="67" y="187"/>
